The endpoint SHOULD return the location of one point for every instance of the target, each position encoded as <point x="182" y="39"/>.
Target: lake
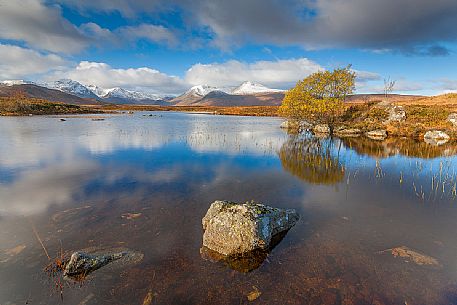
<point x="378" y="219"/>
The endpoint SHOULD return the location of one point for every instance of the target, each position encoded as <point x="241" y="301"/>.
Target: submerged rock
<point x="379" y="134"/>
<point x="436" y="137"/>
<point x="412" y="255"/>
<point x="238" y="228"/>
<point x="82" y="264"/>
<point x="245" y="262"/>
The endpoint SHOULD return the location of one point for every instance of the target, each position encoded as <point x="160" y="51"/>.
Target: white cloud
<point x="401" y="86"/>
<point x="39" y="26"/>
<point x="153" y="33"/>
<point x="117" y="37"/>
<point x="17" y="62"/>
<point x="279" y="73"/>
<point x="43" y="27"/>
<point x="103" y="75"/>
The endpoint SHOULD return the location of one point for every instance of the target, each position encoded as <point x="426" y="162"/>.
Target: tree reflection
<point x="394" y="146"/>
<point x="312" y="159"/>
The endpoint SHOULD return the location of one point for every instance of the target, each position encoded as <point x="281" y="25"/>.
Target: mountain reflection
<point x="312" y="159"/>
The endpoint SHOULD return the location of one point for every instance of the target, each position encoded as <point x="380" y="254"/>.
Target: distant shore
<point x="422" y="114"/>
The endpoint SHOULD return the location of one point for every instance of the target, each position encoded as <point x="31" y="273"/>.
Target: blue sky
<point x="168" y="46"/>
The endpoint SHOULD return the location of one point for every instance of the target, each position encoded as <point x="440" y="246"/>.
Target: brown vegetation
<point x="421" y="115"/>
<point x="25" y="106"/>
<point x="240" y="110"/>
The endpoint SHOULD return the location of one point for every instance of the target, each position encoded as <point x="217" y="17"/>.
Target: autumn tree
<point x="319" y="98"/>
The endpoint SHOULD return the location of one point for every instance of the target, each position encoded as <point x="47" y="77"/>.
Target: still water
<point x="143" y="183"/>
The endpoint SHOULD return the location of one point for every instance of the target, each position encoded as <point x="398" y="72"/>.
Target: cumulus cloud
<point x="278" y="73"/>
<point x="39" y="26"/>
<point x="105" y="76"/>
<point x="17" y="62"/>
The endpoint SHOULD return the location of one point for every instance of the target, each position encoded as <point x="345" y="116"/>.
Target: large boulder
<point x="290" y="125"/>
<point x="237" y="228"/>
<point x="347" y="132"/>
<point x="321" y="129"/>
<point x="299" y="126"/>
<point x="436" y="137"/>
<point x="396" y="114"/>
<point x="378" y="135"/>
<point x="453" y="119"/>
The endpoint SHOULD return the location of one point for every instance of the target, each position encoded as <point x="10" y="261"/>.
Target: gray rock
<point x="296" y="125"/>
<point x="379" y="134"/>
<point x="347" y="132"/>
<point x="236" y="228"/>
<point x="396" y="114"/>
<point x="321" y="129"/>
<point x="436" y="137"/>
<point x="304" y="125"/>
<point x="453" y="119"/>
<point x="290" y="125"/>
<point x="81" y="263"/>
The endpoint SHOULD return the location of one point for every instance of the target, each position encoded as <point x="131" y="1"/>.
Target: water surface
<point x="144" y="183"/>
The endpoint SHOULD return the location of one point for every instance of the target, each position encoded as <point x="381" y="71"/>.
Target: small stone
<point x="131" y="216"/>
<point x="378" y="135"/>
<point x="254" y="295"/>
<point x="436" y="137"/>
<point x="148" y="298"/>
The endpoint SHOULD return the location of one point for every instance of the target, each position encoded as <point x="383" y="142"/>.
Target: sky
<point x="168" y="46"/>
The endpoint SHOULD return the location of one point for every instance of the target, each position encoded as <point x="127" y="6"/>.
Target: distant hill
<point x="38" y="92"/>
<point x="361" y="98"/>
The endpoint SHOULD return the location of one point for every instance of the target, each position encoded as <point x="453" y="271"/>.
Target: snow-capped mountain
<point x="248" y="88"/>
<point x="71" y="87"/>
<point x="133" y="95"/>
<point x="247" y="93"/>
<point x="98" y="91"/>
<point x="202" y="90"/>
<point x="114" y="95"/>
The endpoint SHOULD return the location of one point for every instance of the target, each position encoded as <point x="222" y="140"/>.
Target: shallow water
<point x="144" y="183"/>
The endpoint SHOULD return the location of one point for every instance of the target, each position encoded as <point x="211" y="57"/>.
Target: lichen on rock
<point x="236" y="228"/>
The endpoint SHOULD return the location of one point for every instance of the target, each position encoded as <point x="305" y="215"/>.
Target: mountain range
<point x="247" y="94"/>
<point x="70" y="91"/>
